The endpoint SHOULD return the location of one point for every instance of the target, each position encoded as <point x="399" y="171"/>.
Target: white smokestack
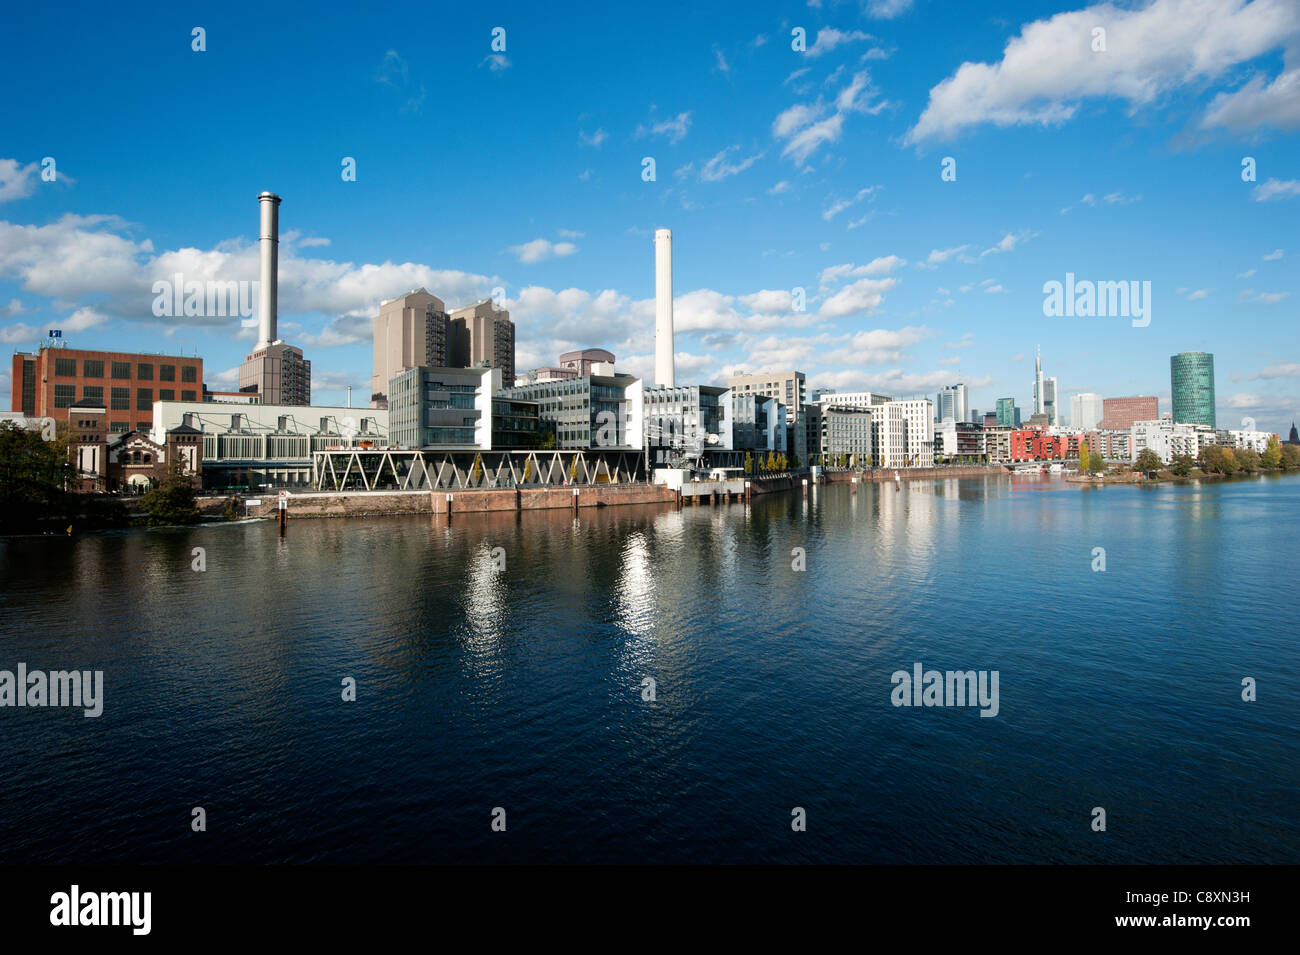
<point x="664" y="375"/>
<point x="269" y="240"/>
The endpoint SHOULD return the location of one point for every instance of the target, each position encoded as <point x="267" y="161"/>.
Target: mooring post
<point x="448" y="506"/>
<point x="575" y="500"/>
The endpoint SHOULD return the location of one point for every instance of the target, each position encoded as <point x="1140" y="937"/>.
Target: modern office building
<point x="951" y="404"/>
<point x="990" y="419"/>
<point x="958" y="441"/>
<point x="1050" y="407"/>
<point x="1169" y="438"/>
<point x="1008" y="415"/>
<point x="685" y="421"/>
<point x="409" y="331"/>
<point x="758" y="423"/>
<point x="851" y="399"/>
<point x="791" y="390"/>
<point x="917" y="415"/>
<point x="1086" y="410"/>
<point x="483" y="335"/>
<point x="1118" y="414"/>
<point x="593" y="411"/>
<point x="444" y="408"/>
<point x="1191" y="379"/>
<point x="51" y="381"/>
<point x="844" y="434"/>
<point x="1038" y="382"/>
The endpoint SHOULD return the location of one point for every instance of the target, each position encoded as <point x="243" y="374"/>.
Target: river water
<point x="521" y="687"/>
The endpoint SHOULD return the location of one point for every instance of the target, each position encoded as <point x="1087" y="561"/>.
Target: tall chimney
<point x="269" y="240"/>
<point x="664" y="376"/>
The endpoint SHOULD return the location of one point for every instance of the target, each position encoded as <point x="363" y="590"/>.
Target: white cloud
<point x="1258" y="103"/>
<point x="882" y="265"/>
<point x="864" y="295"/>
<point x="17" y="181"/>
<point x="496" y="62"/>
<point x="1279" y="370"/>
<point x="806" y="127"/>
<point x="539" y="250"/>
<point x="1273" y="256"/>
<point x="593" y="140"/>
<point x="1006" y="243"/>
<point x="718" y="168"/>
<point x="1050" y="67"/>
<point x="675" y="129"/>
<point x="828" y="38"/>
<point x="1246" y="274"/>
<point x="888" y="9"/>
<point x="780" y="187"/>
<point x="1276" y="189"/>
<point x="939" y="256"/>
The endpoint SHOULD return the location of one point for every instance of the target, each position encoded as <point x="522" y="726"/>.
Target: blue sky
<point x="775" y="168"/>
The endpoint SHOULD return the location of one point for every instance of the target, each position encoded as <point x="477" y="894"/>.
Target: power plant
<point x="664" y="374"/>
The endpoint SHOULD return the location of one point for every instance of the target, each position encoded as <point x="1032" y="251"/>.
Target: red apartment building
<point x="50" y="382"/>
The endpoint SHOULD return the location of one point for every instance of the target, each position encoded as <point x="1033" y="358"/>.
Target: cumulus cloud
<point x="829" y="38"/>
<point x="1050" y="67"/>
<point x="864" y="295"/>
<point x="806" y="127"/>
<point x="1258" y="103"/>
<point x="539" y="250"/>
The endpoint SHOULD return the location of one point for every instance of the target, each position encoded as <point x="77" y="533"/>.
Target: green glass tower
<point x="1191" y="378"/>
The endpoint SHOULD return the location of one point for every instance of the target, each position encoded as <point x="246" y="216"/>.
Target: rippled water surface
<point x="522" y="688"/>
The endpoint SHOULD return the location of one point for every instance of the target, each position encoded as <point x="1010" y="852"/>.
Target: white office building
<point x="1085" y="411"/>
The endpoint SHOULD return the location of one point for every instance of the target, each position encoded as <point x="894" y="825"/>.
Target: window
<point x="65" y="367"/>
<point x="64" y="395"/>
<point x="121" y="400"/>
<point x="188" y="395"/>
<point x="92" y="369"/>
<point x="144" y="372"/>
<point x="117" y="427"/>
<point x="93" y="392"/>
<point x="166" y="372"/>
<point x="121" y="369"/>
<point x="166" y="394"/>
<point x="144" y="398"/>
<point x="189" y="373"/>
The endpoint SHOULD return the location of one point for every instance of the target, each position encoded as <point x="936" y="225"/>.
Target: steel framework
<point x="391" y="469"/>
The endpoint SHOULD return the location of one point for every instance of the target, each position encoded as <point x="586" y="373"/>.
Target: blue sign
<point x="56" y="333"/>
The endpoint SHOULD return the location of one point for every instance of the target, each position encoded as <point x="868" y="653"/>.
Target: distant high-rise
<point x="951" y="403"/>
<point x="1038" y="381"/>
<point x="1191" y="379"/>
<point x="409" y="332"/>
<point x="1008" y="414"/>
<point x="1118" y="414"/>
<point x="482" y="333"/>
<point x="1085" y="411"/>
<point x="1049" y="401"/>
<point x="1294" y="437"/>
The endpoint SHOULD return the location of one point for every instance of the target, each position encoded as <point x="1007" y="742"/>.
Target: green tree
<point x="1096" y="462"/>
<point x="1272" y="456"/>
<point x="1248" y="459"/>
<point x="547" y="440"/>
<point x="1182" y="465"/>
<point x="172" y="501"/>
<point x="33" y="475"/>
<point x="1290" y="456"/>
<point x="1147" y="461"/>
<point x="1084" y="460"/>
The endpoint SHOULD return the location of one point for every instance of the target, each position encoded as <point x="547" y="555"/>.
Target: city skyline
<point x="776" y="169"/>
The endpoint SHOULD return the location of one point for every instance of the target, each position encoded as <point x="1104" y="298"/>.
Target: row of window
<point x="119" y="398"/>
<point x="94" y="368"/>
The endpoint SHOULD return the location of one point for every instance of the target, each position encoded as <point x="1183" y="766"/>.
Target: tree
<point x="771" y="461"/>
<point x="477" y="471"/>
<point x="1084" y="460"/>
<point x="1248" y="459"/>
<point x="528" y="469"/>
<point x="1272" y="456"/>
<point x="573" y="469"/>
<point x="172" y="501"/>
<point x="1147" y="461"/>
<point x="794" y="461"/>
<point x="1290" y="456"/>
<point x="749" y="462"/>
<point x="33" y="475"/>
<point x="1096" y="462"/>
<point x="547" y="441"/>
<point x="1182" y="465"/>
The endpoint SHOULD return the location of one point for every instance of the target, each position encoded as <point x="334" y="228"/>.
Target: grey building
<point x="593" y="411"/>
<point x="442" y="407"/>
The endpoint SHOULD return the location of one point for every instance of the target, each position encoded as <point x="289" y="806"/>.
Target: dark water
<point x="522" y="688"/>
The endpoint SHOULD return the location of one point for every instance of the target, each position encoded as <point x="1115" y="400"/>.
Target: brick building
<point x="1118" y="414"/>
<point x="50" y="382"/>
<point x="130" y="462"/>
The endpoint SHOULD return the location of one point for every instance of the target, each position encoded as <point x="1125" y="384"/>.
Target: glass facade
<point x="1191" y="379"/>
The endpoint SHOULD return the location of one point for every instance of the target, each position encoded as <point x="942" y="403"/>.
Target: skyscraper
<point x="1085" y="411"/>
<point x="950" y="404"/>
<point x="1038" y="381"/>
<point x="482" y="333"/>
<point x="1049" y="401"/>
<point x="1006" y="412"/>
<point x="409" y="331"/>
<point x="1191" y="379"/>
